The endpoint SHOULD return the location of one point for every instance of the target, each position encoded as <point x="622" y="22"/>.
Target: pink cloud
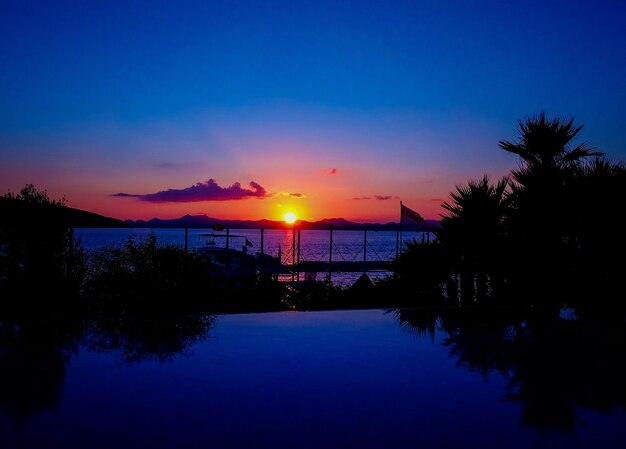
<point x="202" y="191"/>
<point x="377" y="197"/>
<point x="386" y="197"/>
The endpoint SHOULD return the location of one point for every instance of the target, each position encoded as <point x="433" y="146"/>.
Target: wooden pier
<point x="344" y="266"/>
<point x="320" y="267"/>
<point x="291" y="264"/>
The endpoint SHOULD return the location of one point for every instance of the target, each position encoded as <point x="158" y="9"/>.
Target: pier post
<point x="364" y="245"/>
<point x="227" y="239"/>
<point x="186" y="240"/>
<point x="298" y="275"/>
<point x="70" y="247"/>
<point x="262" y="241"/>
<point x="330" y="256"/>
<point x="397" y="243"/>
<point x="399" y="237"/>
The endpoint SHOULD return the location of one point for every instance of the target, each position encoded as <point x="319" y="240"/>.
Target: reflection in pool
<point x="366" y="379"/>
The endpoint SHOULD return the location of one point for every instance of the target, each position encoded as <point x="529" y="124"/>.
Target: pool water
<point x="363" y="379"/>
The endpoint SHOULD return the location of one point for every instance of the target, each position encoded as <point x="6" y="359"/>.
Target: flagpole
<point x="397" y="242"/>
<point x="399" y="239"/>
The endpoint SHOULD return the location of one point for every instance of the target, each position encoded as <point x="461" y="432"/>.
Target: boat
<point x="227" y="261"/>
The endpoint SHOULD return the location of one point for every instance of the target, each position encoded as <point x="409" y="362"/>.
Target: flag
<point x="248" y="242"/>
<point x="409" y="216"/>
<point x="218" y="227"/>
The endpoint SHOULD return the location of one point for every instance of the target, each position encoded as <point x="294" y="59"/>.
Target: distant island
<point x="204" y="221"/>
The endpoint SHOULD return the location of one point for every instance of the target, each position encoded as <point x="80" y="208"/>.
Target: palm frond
<point x="581" y="151"/>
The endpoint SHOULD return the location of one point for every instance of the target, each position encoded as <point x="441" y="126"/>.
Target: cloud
<point x="331" y="171"/>
<point x="386" y="197"/>
<point x="289" y="195"/>
<point x="377" y="197"/>
<point x="202" y="191"/>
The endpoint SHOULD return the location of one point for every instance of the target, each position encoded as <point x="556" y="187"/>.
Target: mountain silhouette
<point x="202" y="221"/>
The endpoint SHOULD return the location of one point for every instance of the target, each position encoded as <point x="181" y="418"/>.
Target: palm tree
<point x="548" y="162"/>
<point x="543" y="197"/>
<point x="473" y="229"/>
<point x="545" y="144"/>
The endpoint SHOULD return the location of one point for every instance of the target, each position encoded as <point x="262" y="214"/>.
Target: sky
<point x="251" y="109"/>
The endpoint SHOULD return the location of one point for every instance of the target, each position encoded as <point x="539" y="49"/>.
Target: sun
<point x="290" y="217"/>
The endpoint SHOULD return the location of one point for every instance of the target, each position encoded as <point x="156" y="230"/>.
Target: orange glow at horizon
<point x="316" y="206"/>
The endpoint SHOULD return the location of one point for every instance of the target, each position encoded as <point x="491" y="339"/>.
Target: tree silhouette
<point x="473" y="230"/>
<point x="38" y="252"/>
<point x="600" y="188"/>
<point x="30" y="194"/>
<point x="543" y="217"/>
<point x="545" y="144"/>
<point x="551" y="233"/>
<point x="421" y="270"/>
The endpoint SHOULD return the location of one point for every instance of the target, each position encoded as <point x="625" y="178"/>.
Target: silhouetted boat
<point x="236" y="263"/>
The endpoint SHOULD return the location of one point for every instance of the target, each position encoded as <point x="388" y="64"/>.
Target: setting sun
<point x="290" y="217"/>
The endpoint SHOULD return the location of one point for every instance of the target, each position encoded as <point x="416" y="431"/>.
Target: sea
<point x="315" y="245"/>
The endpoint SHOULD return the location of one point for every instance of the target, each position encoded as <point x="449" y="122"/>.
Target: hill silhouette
<point x="14" y="211"/>
<point x="202" y="221"/>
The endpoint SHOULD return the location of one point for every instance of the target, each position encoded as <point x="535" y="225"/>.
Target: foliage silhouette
<point x="473" y="231"/>
<point x="30" y="194"/>
<point x="600" y="187"/>
<point x="39" y="256"/>
<point x="550" y="234"/>
<point x="145" y="276"/>
<point x="545" y="144"/>
<point x="422" y="271"/>
<point x="544" y="205"/>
